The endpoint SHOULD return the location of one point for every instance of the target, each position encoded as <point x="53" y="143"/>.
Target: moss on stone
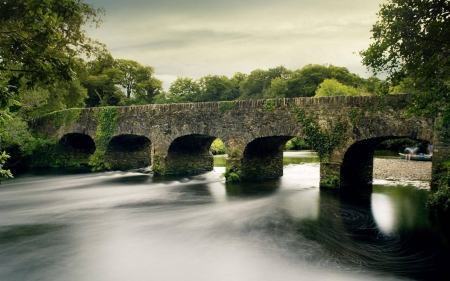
<point x="323" y="141"/>
<point x="224" y="106"/>
<point x="158" y="165"/>
<point x="107" y="119"/>
<point x="439" y="197"/>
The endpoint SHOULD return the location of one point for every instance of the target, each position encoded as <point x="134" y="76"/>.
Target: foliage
<point x="232" y="174"/>
<point x="216" y="88"/>
<point x="161" y="98"/>
<point x="411" y="44"/>
<point x="4" y="173"/>
<point x="397" y="145"/>
<point x="304" y="82"/>
<point x="269" y="105"/>
<point x="439" y="197"/>
<point x="138" y="80"/>
<point x="411" y="41"/>
<point x="41" y="40"/>
<point x="147" y="90"/>
<point x="234" y="153"/>
<point x="217" y="147"/>
<point x="20" y="142"/>
<point x="296" y="144"/>
<point x="157" y="165"/>
<point x="277" y="82"/>
<point x="332" y="87"/>
<point x="41" y="100"/>
<point x="257" y="83"/>
<point x="226" y="105"/>
<point x="279" y="87"/>
<point x="65" y="117"/>
<point x="184" y="90"/>
<point x="112" y="82"/>
<point x="18" y="135"/>
<point x="331" y="181"/>
<point x="107" y="118"/>
<point x="322" y="141"/>
<point x="102" y="89"/>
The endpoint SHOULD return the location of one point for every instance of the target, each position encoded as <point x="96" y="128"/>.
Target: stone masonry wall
<point x="240" y="123"/>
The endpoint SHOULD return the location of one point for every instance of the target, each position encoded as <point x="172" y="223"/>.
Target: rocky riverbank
<point x="401" y="170"/>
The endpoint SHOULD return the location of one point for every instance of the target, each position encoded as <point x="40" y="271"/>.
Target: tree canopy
<point x="42" y="39"/>
<point x="332" y="87"/>
<point x="41" y="43"/>
<point x="412" y="40"/>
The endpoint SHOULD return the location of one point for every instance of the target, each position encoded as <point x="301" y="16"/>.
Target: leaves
<point x="4" y="173"/>
<point x="40" y="39"/>
<point x="412" y="40"/>
<point x="332" y="87"/>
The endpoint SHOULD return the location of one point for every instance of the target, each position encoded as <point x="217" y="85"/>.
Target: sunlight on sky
<point x="199" y="37"/>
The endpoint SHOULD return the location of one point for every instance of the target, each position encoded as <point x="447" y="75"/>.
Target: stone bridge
<point x="175" y="138"/>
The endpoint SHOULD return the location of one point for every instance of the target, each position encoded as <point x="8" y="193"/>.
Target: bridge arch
<point x="263" y="157"/>
<point x="257" y="124"/>
<point x="76" y="149"/>
<point x="190" y="154"/>
<point x="128" y="151"/>
<point x="357" y="164"/>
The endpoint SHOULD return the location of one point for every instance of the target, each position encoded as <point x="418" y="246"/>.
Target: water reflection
<point x="384" y="213"/>
<point x="289" y="157"/>
<point x="130" y="226"/>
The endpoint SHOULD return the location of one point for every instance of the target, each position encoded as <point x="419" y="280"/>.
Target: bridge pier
<point x="330" y="175"/>
<point x="177" y="137"/>
<point x="260" y="159"/>
<point x="350" y="167"/>
<point x="188" y="163"/>
<point x="255" y="168"/>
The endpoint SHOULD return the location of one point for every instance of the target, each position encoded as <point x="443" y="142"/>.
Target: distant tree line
<point x="279" y="82"/>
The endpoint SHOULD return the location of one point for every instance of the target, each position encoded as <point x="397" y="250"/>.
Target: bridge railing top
<point x="302" y="101"/>
<point x="341" y="101"/>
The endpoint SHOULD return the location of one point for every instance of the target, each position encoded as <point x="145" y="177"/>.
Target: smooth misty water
<point x="130" y="226"/>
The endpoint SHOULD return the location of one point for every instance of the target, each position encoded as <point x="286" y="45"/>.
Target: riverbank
<point x="397" y="169"/>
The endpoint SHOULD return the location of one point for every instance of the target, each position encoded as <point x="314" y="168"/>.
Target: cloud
<point x="200" y="37"/>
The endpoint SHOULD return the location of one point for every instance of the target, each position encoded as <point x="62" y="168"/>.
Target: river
<point x="60" y="225"/>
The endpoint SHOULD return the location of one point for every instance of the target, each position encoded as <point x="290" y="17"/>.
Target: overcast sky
<point x="194" y="38"/>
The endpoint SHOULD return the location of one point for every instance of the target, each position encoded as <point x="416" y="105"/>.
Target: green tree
<point x="304" y="82"/>
<point x="412" y="46"/>
<point x="147" y="90"/>
<point x="215" y="88"/>
<point x="184" y="90"/>
<point x="279" y="87"/>
<point x="41" y="100"/>
<point x="161" y="98"/>
<point x="138" y="80"/>
<point x="103" y="61"/>
<point x="332" y="87"/>
<point x="257" y="83"/>
<point x="254" y="84"/>
<point x="102" y="89"/>
<point x="40" y="41"/>
<point x="236" y="82"/>
<point x="412" y="40"/>
<point x="373" y="85"/>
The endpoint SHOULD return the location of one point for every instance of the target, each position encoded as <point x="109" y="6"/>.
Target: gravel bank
<point x="398" y="169"/>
